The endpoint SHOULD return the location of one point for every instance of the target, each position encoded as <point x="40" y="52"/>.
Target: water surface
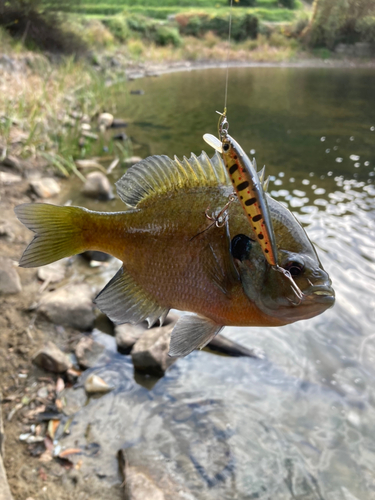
<point x="300" y="424"/>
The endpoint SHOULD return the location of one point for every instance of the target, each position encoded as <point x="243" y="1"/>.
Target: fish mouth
<point x="322" y="294"/>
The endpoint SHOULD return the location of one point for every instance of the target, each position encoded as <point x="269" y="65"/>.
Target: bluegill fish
<point x="173" y="258"/>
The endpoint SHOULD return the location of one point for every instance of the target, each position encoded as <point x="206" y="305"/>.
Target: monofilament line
<point x="228" y="50"/>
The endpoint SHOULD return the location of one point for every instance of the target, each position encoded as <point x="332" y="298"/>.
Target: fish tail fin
<point x="58" y="232"/>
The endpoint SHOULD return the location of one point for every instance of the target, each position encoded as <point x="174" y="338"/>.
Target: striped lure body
<point x="250" y="192"/>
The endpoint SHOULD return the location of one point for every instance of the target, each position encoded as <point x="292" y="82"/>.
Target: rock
<point x="105" y="119"/>
<point x="85" y="126"/>
<point x="225" y="346"/>
<point x="98" y="186"/>
<point x="96" y="385"/>
<point x="150" y="352"/>
<point x="118" y="123"/>
<point x="1" y="430"/>
<point x="13" y="162"/>
<point x="4" y="487"/>
<point x="87" y="352"/>
<point x="52" y="359"/>
<point x="137" y="92"/>
<point x="8" y="178"/>
<point x="344" y="49"/>
<point x="89" y="164"/>
<point x="138" y="486"/>
<point x="10" y="282"/>
<point x="70" y="306"/>
<point x="90" y="135"/>
<point x="53" y="273"/>
<point x="132" y="160"/>
<point x="45" y="187"/>
<point x="120" y="137"/>
<point x="363" y="49"/>
<point x="127" y="335"/>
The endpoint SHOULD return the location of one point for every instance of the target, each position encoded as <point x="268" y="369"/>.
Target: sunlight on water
<point x="299" y="424"/>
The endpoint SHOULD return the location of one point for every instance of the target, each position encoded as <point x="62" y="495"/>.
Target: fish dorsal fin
<point x="158" y="175"/>
<point x="123" y="301"/>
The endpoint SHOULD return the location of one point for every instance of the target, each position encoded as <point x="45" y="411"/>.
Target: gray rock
<point x="10" y="282"/>
<point x="45" y="187"/>
<point x="4" y="486"/>
<point x="97" y="186"/>
<point x="363" y="49"/>
<point x="150" y="352"/>
<point x="53" y="273"/>
<point x="52" y="359"/>
<point x="88" y="351"/>
<point x="127" y="335"/>
<point x="138" y="485"/>
<point x="119" y="122"/>
<point x="8" y="178"/>
<point x="70" y="306"/>
<point x="344" y="49"/>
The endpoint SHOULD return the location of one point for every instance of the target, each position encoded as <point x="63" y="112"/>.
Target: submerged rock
<point x="127" y="335"/>
<point x="45" y="188"/>
<point x="150" y="352"/>
<point x="98" y="186"/>
<point x="138" y="485"/>
<point x="88" y="351"/>
<point x="70" y="306"/>
<point x="10" y="282"/>
<point x="96" y="385"/>
<point x="52" y="359"/>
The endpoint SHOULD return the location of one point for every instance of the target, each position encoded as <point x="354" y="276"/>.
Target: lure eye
<point x="226" y="147"/>
<point x="295" y="268"/>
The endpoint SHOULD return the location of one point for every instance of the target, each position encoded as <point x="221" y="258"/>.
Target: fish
<point x="174" y="258"/>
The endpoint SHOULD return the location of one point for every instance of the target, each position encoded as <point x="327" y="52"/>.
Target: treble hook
<point x="298" y="293"/>
<point x="221" y="217"/>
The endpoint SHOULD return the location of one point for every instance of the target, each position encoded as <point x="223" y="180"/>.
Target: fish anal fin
<point x="123" y="301"/>
<point x="192" y="332"/>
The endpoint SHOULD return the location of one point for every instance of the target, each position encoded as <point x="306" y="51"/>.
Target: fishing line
<point x="228" y="51"/>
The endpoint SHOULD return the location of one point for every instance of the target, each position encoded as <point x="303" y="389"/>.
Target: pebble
<point x="8" y="178"/>
<point x="70" y="306"/>
<point x="45" y="187"/>
<point x="52" y="359"/>
<point x="10" y="282"/>
<point x="98" y="186"/>
<point x="88" y="164"/>
<point x="105" y="119"/>
<point x="118" y="123"/>
<point x="96" y="385"/>
<point x="127" y="335"/>
<point x="87" y="352"/>
<point x="53" y="273"/>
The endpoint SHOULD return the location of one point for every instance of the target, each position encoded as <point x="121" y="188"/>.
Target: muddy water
<point x="299" y="424"/>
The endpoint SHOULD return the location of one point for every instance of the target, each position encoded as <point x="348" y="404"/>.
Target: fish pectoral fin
<point x="192" y="332"/>
<point x="123" y="301"/>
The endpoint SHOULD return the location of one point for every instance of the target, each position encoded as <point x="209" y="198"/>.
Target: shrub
<point x="197" y="24"/>
<point x="243" y="3"/>
<point x="165" y="35"/>
<point x="366" y="29"/>
<point x="154" y="31"/>
<point x="118" y="26"/>
<point x="289" y="4"/>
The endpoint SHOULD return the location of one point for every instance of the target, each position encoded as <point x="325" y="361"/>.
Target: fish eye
<point x="240" y="247"/>
<point x="226" y="147"/>
<point x="295" y="268"/>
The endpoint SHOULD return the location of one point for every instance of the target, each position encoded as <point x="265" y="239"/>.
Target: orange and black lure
<point x="250" y="192"/>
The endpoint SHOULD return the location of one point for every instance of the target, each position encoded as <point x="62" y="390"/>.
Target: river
<point x="299" y="424"/>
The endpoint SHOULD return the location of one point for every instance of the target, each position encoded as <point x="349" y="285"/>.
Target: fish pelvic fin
<point x="123" y="301"/>
<point x="192" y="332"/>
<point x="58" y="234"/>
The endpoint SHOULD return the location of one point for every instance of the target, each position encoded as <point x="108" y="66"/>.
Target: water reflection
<point x="299" y="424"/>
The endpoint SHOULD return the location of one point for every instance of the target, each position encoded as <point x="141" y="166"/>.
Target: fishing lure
<point x="250" y="188"/>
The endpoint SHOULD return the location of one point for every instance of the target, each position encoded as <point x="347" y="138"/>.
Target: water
<point x="299" y="425"/>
